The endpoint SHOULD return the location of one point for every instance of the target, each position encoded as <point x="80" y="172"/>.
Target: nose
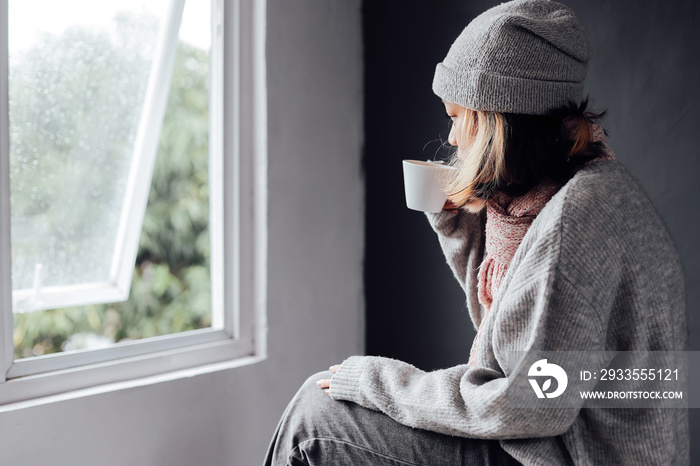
<point x="452" y="138"/>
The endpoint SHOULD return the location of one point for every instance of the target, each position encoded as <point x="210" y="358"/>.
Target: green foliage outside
<point x="170" y="291"/>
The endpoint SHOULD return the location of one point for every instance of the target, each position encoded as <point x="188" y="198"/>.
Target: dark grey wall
<point x="644" y="71"/>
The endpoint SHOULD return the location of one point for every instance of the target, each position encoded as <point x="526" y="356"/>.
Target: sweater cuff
<point x="443" y="222"/>
<point x="345" y="384"/>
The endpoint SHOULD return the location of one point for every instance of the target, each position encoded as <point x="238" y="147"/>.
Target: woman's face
<point x="459" y="116"/>
<point x="463" y="130"/>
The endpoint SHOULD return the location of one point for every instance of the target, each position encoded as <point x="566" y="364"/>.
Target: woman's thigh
<point x="317" y="430"/>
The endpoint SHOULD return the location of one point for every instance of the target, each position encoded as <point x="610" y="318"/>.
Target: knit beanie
<point x="523" y="56"/>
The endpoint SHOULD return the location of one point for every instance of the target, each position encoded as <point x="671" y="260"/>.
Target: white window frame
<point x="238" y="333"/>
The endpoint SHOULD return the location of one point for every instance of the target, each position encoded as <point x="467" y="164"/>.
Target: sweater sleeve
<point x="542" y="311"/>
<point x="462" y="240"/>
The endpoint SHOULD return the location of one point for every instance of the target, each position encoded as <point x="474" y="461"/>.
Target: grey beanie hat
<point x="523" y="56"/>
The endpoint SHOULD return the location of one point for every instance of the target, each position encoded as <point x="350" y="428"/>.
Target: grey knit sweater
<point x="597" y="270"/>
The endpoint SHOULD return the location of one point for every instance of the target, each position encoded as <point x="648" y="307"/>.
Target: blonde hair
<point x="512" y="152"/>
<point x="481" y="162"/>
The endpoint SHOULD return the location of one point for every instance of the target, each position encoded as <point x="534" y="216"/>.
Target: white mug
<point x="423" y="184"/>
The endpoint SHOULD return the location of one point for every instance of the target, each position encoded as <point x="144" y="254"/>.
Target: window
<point x="132" y="190"/>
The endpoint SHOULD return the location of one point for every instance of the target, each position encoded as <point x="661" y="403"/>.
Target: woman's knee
<point x="307" y="417"/>
<point x="310" y="405"/>
<point x="310" y="392"/>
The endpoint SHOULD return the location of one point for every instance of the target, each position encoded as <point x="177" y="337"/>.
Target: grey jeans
<point x="317" y="430"/>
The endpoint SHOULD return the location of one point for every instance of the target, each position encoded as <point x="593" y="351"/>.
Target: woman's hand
<point x="450" y="206"/>
<point x="326" y="383"/>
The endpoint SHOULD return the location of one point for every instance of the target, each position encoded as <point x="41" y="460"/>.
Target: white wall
<point x="315" y="299"/>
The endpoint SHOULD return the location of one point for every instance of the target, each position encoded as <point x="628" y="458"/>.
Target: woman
<point x="557" y="248"/>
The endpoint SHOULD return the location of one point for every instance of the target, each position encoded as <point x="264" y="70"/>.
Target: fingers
<point x="326" y="383"/>
<point x="450" y="206"/>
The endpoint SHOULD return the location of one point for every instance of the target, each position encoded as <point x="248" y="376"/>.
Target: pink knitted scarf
<point x="507" y="220"/>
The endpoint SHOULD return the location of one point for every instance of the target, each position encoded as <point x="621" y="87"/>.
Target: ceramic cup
<point x="423" y="184"/>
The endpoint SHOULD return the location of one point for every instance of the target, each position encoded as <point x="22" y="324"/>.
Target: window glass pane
<point x="77" y="87"/>
<point x="78" y="75"/>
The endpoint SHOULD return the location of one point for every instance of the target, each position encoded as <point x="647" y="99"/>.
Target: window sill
<point x="133" y="383"/>
<point x="128" y="372"/>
